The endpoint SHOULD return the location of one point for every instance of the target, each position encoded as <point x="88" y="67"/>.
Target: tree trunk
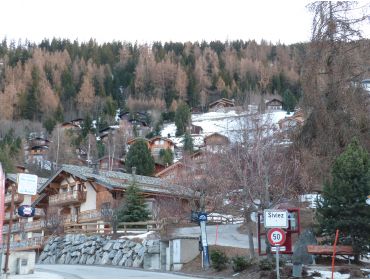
<point x="249" y="223"/>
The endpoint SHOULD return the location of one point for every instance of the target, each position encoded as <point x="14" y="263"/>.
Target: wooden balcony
<point x="7" y="216"/>
<point x="18" y="198"/>
<point x="70" y="219"/>
<point x="34" y="225"/>
<point x="15" y="228"/>
<point x="39" y="212"/>
<point x="27" y="244"/>
<point x="72" y="197"/>
<point x="90" y="216"/>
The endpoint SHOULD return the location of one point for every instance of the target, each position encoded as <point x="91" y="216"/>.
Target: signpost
<point x="275" y="218"/>
<point x="2" y="198"/>
<point x="276" y="237"/>
<point x="202" y="218"/>
<point x="27" y="183"/>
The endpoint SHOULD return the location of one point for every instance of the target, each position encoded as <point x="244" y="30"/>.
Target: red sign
<point x="276" y="236"/>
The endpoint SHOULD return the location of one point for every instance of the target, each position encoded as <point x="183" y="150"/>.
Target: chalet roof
<point x="13" y="177"/>
<point x="215" y="134"/>
<point x="273" y="100"/>
<point x="133" y="140"/>
<point x="161" y="138"/>
<point x="222" y="101"/>
<point x="119" y="180"/>
<point x="169" y="168"/>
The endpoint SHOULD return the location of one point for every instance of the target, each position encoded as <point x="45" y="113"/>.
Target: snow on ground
<point x="325" y="274"/>
<point x="226" y="123"/>
<point x="141" y="236"/>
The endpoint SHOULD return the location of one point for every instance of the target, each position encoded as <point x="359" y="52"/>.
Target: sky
<point x="146" y="21"/>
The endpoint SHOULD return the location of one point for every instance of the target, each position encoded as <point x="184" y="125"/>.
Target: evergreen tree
<point x="342" y="205"/>
<point x="140" y="157"/>
<point x="289" y="101"/>
<point x="188" y="143"/>
<point x="166" y="156"/>
<point x="182" y="118"/>
<point x="133" y="208"/>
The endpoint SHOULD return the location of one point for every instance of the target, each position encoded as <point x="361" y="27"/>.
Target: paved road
<point x="61" y="271"/>
<point x="228" y="235"/>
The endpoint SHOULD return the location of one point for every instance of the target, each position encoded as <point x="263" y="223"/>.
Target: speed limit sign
<point x="276" y="236"/>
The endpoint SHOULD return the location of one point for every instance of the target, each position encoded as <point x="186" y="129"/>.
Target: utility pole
<point x="202" y="218"/>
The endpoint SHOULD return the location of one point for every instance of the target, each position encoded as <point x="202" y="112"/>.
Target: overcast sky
<point x="156" y="20"/>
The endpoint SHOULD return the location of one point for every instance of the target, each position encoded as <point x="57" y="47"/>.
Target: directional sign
<point x="26" y="211"/>
<point x="276" y="236"/>
<point x="275" y="218"/>
<point x="202" y="216"/>
<point x="27" y="183"/>
<point x="281" y="249"/>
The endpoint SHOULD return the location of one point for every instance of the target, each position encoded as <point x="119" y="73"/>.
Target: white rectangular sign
<point x="27" y="183"/>
<point x="281" y="249"/>
<point x="275" y="218"/>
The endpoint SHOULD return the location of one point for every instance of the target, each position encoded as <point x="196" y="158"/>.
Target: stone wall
<point x="97" y="249"/>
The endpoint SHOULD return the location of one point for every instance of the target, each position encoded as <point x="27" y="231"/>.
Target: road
<point x="228" y="235"/>
<point x="62" y="271"/>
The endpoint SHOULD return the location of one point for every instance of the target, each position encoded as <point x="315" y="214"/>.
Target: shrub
<point x="266" y="264"/>
<point x="219" y="260"/>
<point x="240" y="263"/>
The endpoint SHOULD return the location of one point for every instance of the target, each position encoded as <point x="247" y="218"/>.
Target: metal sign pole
<point x="277" y="262"/>
<point x="205" y="254"/>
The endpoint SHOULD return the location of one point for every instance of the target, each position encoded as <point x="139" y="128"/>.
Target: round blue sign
<point x="26" y="211"/>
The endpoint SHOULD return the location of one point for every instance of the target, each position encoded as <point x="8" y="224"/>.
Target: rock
<point x="125" y="250"/>
<point x="105" y="259"/>
<point x="122" y="261"/>
<point x="90" y="260"/>
<point x="108" y="246"/>
<point x="153" y="249"/>
<point x="128" y="262"/>
<point x="68" y="258"/>
<point x="123" y="244"/>
<point x="112" y="254"/>
<point x="300" y="254"/>
<point x="97" y="259"/>
<point x="75" y="254"/>
<point x="131" y="244"/>
<point x="150" y="243"/>
<point x="75" y="260"/>
<point x="46" y="248"/>
<point x="137" y="247"/>
<point x="91" y="250"/>
<point x="142" y="251"/>
<point x="62" y="259"/>
<point x="117" y="258"/>
<point x="116" y="245"/>
<point x="128" y="254"/>
<point x="83" y="259"/>
<point x="138" y="262"/>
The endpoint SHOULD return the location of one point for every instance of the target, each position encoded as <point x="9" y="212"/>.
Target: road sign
<point x="27" y="183"/>
<point x="276" y="236"/>
<point x="281" y="249"/>
<point x="202" y="216"/>
<point x="275" y="218"/>
<point x="26" y="211"/>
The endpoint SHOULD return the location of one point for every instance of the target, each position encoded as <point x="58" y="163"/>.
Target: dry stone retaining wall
<point x="97" y="249"/>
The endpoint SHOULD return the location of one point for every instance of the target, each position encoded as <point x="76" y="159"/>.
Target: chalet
<point x="27" y="230"/>
<point x="74" y="124"/>
<point x="297" y="119"/>
<point x="196" y="129"/>
<point x="215" y="142"/>
<point x="36" y="149"/>
<point x="138" y="121"/>
<point x="110" y="163"/>
<point x="83" y="195"/>
<point x="158" y="143"/>
<point x="221" y="104"/>
<point x="105" y="132"/>
<point x="274" y="105"/>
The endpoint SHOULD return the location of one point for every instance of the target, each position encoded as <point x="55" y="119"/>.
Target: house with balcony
<point x="215" y="142"/>
<point x="78" y="195"/>
<point x="25" y="233"/>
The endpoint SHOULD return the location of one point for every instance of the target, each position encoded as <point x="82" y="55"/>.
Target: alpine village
<point x="235" y="159"/>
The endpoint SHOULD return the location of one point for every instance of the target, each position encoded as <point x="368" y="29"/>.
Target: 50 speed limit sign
<point x="276" y="236"/>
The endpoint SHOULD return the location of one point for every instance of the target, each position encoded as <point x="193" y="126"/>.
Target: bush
<point x="240" y="263"/>
<point x="266" y="264"/>
<point x="219" y="260"/>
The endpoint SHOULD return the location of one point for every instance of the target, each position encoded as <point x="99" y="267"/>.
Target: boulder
<point x="105" y="259"/>
<point x="116" y="245"/>
<point x="108" y="246"/>
<point x="137" y="247"/>
<point x="90" y="259"/>
<point x="122" y="261"/>
<point x="112" y="254"/>
<point x="62" y="259"/>
<point x="117" y="258"/>
<point x="300" y="254"/>
<point x="83" y="259"/>
<point x="138" y="262"/>
<point x="128" y="262"/>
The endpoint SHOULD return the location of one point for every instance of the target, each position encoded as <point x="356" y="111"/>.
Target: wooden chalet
<point x="196" y="129"/>
<point x="215" y="142"/>
<point x="25" y="233"/>
<point x="138" y="121"/>
<point x="221" y="103"/>
<point x="110" y="163"/>
<point x="74" y="124"/>
<point x="297" y="119"/>
<point x="36" y="149"/>
<point x="158" y="143"/>
<point x="274" y="105"/>
<point x="78" y="195"/>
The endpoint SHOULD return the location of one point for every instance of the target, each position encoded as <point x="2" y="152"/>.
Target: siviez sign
<point x="275" y="218"/>
<point x="27" y="183"/>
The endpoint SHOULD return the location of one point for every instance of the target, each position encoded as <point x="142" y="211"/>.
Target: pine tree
<point x="140" y="157"/>
<point x="182" y="119"/>
<point x="342" y="205"/>
<point x="188" y="143"/>
<point x="133" y="208"/>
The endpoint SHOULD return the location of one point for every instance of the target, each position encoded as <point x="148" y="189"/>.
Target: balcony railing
<point x="7" y="216"/>
<point x="15" y="228"/>
<point x="90" y="216"/>
<point x="70" y="219"/>
<point x="67" y="198"/>
<point x="39" y="212"/>
<point x="18" y="198"/>
<point x="30" y="243"/>
<point x="34" y="225"/>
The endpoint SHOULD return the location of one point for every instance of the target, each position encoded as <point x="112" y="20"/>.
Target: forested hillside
<point x="59" y="80"/>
